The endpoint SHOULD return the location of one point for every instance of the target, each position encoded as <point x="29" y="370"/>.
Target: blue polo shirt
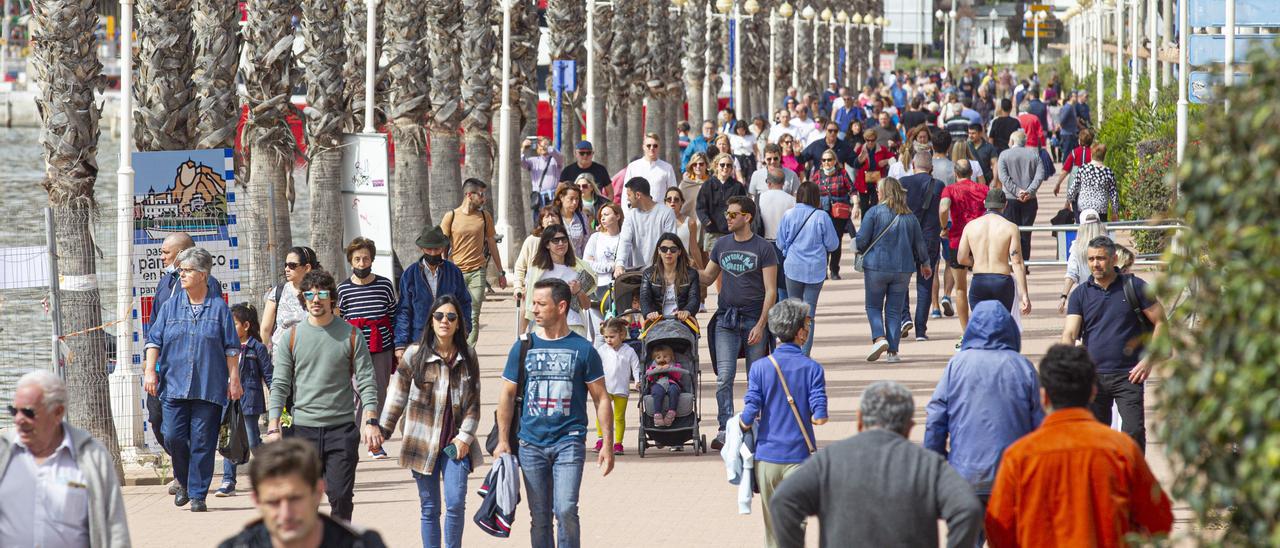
<point x="1110" y="330"/>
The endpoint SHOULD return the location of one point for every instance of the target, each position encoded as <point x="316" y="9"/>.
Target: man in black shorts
<point x="991" y="245"/>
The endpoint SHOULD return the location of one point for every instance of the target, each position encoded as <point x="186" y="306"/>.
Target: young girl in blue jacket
<point x="255" y="373"/>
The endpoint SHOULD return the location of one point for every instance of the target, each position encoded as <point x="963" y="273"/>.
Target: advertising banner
<point x="366" y="208"/>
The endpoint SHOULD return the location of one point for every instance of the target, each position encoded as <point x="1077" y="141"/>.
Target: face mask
<point x="920" y="147"/>
<point x="433" y="260"/>
<point x="828" y="171"/>
<point x="361" y="272"/>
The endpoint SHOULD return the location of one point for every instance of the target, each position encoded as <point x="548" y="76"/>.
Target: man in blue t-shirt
<point x="1100" y="314"/>
<point x="749" y="265"/>
<point x="559" y="370"/>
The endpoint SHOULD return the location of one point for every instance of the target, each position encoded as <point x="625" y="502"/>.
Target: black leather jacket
<point x="688" y="296"/>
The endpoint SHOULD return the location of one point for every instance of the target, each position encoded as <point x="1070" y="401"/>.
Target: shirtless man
<point x="990" y="245"/>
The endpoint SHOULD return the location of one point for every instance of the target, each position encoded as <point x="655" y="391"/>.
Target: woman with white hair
<point x="1091" y="226"/>
<point x="193" y="340"/>
<point x="787" y="392"/>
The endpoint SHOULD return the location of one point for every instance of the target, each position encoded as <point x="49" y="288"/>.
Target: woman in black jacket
<point x="670" y="286"/>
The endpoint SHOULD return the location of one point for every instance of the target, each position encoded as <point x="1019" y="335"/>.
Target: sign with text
<point x="1249" y="13"/>
<point x="366" y="208"/>
<point x="1208" y="49"/>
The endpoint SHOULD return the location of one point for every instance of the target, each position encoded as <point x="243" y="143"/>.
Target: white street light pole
<point x="831" y="45"/>
<point x="736" y="96"/>
<point x="1153" y="62"/>
<point x="1183" y="42"/>
<point x="810" y="15"/>
<point x="592" y="123"/>
<point x="773" y="77"/>
<point x="843" y="18"/>
<point x="1120" y="49"/>
<point x="1135" y="13"/>
<point x="707" y="109"/>
<point x="951" y="39"/>
<point x="795" y="44"/>
<point x="1229" y="32"/>
<point x="370" y="61"/>
<point x="1101" y="63"/>
<point x="124" y="385"/>
<point x="940" y="16"/>
<point x="504" y="140"/>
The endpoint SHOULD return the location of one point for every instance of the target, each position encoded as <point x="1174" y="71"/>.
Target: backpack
<point x="1131" y="296"/>
<point x="484" y="232"/>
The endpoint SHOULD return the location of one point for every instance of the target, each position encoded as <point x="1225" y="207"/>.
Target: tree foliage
<point x="1220" y="401"/>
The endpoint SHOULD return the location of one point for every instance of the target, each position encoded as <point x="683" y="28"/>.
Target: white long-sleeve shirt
<point x="659" y="174"/>
<point x="602" y="254"/>
<point x="620" y="366"/>
<point x="640" y="233"/>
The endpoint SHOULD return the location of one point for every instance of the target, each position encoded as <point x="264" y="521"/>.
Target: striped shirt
<point x="376" y="299"/>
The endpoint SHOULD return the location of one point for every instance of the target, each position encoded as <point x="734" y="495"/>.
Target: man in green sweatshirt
<point x="314" y="365"/>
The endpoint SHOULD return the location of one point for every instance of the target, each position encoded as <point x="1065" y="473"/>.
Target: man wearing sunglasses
<point x="58" y="485"/>
<point x="811" y="158"/>
<point x="586" y="164"/>
<point x="649" y="167"/>
<point x="473" y="245"/>
<point x="772" y="159"/>
<point x="314" y="366"/>
<point x="714" y="197"/>
<point x="429" y="277"/>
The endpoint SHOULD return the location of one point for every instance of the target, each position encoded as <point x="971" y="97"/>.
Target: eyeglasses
<point x="724" y="164"/>
<point x="833" y="130"/>
<point x="27" y="412"/>
<point x="731" y="215"/>
<point x="292" y="266"/>
<point x="651" y="145"/>
<point x="560" y="240"/>
<point x="668" y="249"/>
<point x="184" y="271"/>
<point x="671" y="199"/>
<point x="312" y="295"/>
<point x="697" y="163"/>
<point x="442" y="316"/>
<point x="584" y="185"/>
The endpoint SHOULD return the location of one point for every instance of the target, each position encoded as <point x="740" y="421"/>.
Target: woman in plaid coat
<point x="438" y="382"/>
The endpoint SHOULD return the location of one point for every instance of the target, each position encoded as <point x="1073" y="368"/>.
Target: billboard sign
<point x="366" y="207"/>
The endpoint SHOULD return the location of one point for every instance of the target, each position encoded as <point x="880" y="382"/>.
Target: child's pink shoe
<point x="617" y="448"/>
<point x="671" y="417"/>
<point x="599" y="445"/>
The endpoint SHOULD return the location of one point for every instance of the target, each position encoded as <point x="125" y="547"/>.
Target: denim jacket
<point x="194" y="348"/>
<point x="255" y="373"/>
<point x="901" y="249"/>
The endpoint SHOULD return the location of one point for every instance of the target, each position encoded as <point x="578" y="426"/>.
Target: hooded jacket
<point x="987" y="398"/>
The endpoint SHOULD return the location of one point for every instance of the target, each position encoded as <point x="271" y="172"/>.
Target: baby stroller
<point x="683" y="340"/>
<point x="617" y="303"/>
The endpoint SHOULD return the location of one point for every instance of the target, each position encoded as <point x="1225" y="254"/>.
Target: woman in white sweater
<point x="602" y="248"/>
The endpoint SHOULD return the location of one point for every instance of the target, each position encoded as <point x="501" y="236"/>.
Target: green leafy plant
<point x="1219" y="403"/>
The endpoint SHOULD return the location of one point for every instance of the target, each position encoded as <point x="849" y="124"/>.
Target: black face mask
<point x="433" y="260"/>
<point x="361" y="272"/>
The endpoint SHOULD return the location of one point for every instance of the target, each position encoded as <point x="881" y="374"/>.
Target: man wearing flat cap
<point x="423" y="281"/>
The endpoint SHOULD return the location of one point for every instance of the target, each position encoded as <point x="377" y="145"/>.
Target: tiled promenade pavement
<point x="667" y="499"/>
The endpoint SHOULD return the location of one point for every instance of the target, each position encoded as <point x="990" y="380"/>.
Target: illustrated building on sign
<point x="195" y="203"/>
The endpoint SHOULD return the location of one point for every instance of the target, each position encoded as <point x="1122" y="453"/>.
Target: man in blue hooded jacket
<point x="423" y="281"/>
<point x="987" y="398"/>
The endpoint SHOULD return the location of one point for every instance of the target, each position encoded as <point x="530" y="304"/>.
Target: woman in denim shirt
<point x="888" y="264"/>
<point x="806" y="237"/>
<point x="194" y="340"/>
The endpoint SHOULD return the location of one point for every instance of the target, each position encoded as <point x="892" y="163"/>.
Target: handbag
<point x="513" y="431"/>
<point x="872" y="177"/>
<point x="841" y="210"/>
<point x="792" y="402"/>
<point x="233" y="437"/>
<point x="862" y="255"/>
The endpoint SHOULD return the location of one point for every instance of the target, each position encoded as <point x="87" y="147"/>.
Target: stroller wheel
<point x="702" y="444"/>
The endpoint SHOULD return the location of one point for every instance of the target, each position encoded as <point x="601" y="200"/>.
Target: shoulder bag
<point x="862" y="255"/>
<point x="513" y="431"/>
<point x="792" y="402"/>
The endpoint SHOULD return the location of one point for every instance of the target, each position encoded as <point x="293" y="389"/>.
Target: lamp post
<point x="942" y="18"/>
<point x="773" y="80"/>
<point x="504" y="138"/>
<point x="951" y="38"/>
<point x="124" y="381"/>
<point x="1153" y="62"/>
<point x="788" y="12"/>
<point x="729" y="10"/>
<point x="1100" y="64"/>
<point x="1183" y="33"/>
<point x="993" y="15"/>
<point x="751" y="8"/>
<point x="592" y="123"/>
<point x="831" y="44"/>
<point x="855" y="21"/>
<point x="1036" y="18"/>
<point x="1134" y="13"/>
<point x="871" y="36"/>
<point x="809" y="14"/>
<point x="370" y="61"/>
<point x="843" y="19"/>
<point x="1119" y="49"/>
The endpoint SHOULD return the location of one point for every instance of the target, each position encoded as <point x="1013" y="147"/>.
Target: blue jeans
<point x="728" y="342"/>
<point x="455" y="474"/>
<point x="885" y="292"/>
<point x="809" y="294"/>
<point x="229" y="469"/>
<point x="924" y="294"/>
<point x="552" y="478"/>
<point x="191" y="433"/>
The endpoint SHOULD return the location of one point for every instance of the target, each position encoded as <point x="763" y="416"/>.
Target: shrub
<point x="1150" y="193"/>
<point x="1219" y="404"/>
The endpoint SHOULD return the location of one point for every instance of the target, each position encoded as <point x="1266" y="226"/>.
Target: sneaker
<point x="948" y="309"/>
<point x="877" y="349"/>
<point x="180" y="498"/>
<point x="907" y="326"/>
<point x="935" y="314"/>
<point x="671" y="417"/>
<point x="718" y="443"/>
<point x="198" y="506"/>
<point x="835" y="275"/>
<point x="227" y="490"/>
<point x="173" y="487"/>
<point x="892" y="358"/>
<point x="922" y="338"/>
<point x="380" y="454"/>
<point x="599" y="446"/>
<point x="617" y="449"/>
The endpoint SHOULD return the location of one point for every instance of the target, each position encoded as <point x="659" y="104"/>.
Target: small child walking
<point x="664" y="385"/>
<point x="255" y="373"/>
<point x="620" y="365"/>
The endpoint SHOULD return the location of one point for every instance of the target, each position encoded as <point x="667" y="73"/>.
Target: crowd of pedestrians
<point x="931" y="175"/>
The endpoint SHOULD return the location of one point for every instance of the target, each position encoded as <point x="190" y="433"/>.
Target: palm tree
<point x="601" y="48"/>
<point x="217" y="57"/>
<point x="716" y="62"/>
<point x="524" y="108"/>
<point x="621" y="97"/>
<point x="804" y="51"/>
<point x="65" y="61"/>
<point x="673" y="95"/>
<point x="326" y="116"/>
<point x="165" y="99"/>
<point x="354" y="30"/>
<point x="409" y="77"/>
<point x="267" y="139"/>
<point x="477" y="91"/>
<point x="654" y="71"/>
<point x="695" y="58"/>
<point x="444" y="25"/>
<point x="566" y="26"/>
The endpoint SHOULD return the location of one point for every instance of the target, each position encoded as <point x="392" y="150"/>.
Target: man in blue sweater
<point x="422" y="282"/>
<point x="774" y="382"/>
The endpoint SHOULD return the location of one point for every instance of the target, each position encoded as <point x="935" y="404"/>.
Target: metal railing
<point x="1117" y="226"/>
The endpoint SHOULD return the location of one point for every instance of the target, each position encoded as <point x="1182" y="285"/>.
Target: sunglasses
<point x="651" y="146"/>
<point x="27" y="412"/>
<point x="442" y="316"/>
<point x="731" y="215"/>
<point x="312" y="295"/>
<point x="668" y="249"/>
<point x="833" y="130"/>
<point x="585" y="152"/>
<point x="770" y="159"/>
<point x="698" y="164"/>
<point x="724" y="165"/>
<point x="560" y="240"/>
<point x="293" y="266"/>
<point x="828" y="160"/>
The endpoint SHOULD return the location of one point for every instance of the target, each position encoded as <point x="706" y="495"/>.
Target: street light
<point x="751" y="7"/>
<point x="942" y="18"/>
<point x="773" y="77"/>
<point x="831" y="44"/>
<point x="1036" y="18"/>
<point x="856" y="20"/>
<point x="951" y="38"/>
<point x="808" y="14"/>
<point x="993" y="15"/>
<point x="789" y="12"/>
<point x="843" y="19"/>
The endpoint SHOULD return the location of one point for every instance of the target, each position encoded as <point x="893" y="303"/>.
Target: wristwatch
<point x="372" y="422"/>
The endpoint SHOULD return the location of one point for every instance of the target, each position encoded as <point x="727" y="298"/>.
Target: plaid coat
<point x="423" y="390"/>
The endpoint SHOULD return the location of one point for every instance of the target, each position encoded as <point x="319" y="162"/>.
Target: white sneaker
<point x="877" y="349"/>
<point x="892" y="358"/>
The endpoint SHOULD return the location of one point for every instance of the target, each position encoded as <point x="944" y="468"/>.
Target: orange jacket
<point x="1074" y="482"/>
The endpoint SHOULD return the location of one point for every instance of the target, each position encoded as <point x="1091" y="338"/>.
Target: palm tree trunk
<point x="782" y="63"/>
<point x="165" y="98"/>
<point x="566" y="26"/>
<point x="601" y="48"/>
<point x="267" y="138"/>
<point x="408" y="88"/>
<point x="477" y="91"/>
<point x="354" y="30"/>
<point x="694" y="46"/>
<point x="217" y="54"/>
<point x="444" y="25"/>
<point x="326" y="115"/>
<point x="673" y="95"/>
<point x="716" y="63"/>
<point x="66" y="67"/>
<point x="655" y="21"/>
<point x="622" y="136"/>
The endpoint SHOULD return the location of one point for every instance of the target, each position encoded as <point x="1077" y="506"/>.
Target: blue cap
<point x="584" y="145"/>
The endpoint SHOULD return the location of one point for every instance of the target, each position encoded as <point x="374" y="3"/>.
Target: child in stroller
<point x="664" y="385"/>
